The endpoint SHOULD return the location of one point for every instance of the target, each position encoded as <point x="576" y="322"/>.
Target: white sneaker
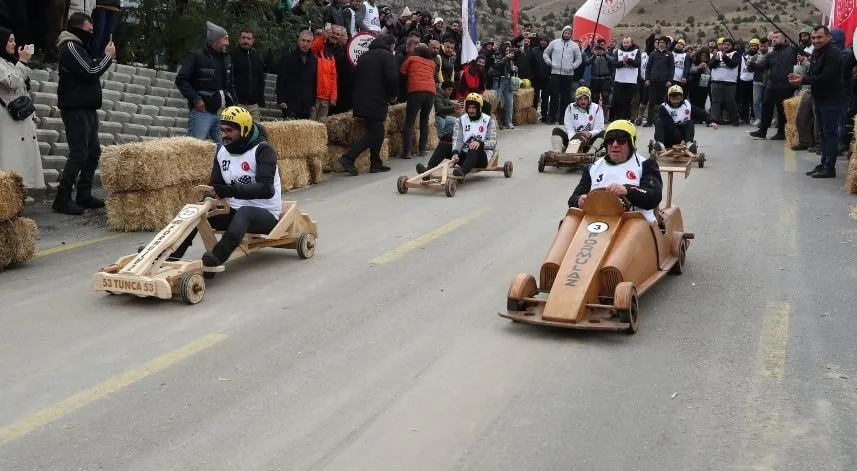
<point x="510" y="126"/>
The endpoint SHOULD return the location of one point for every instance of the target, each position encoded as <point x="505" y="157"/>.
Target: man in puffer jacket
<point x="564" y="57"/>
<point x="659" y="73"/>
<point x="601" y="71"/>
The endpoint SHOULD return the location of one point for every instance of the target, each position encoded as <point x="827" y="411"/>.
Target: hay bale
<point x="338" y="128"/>
<point x="17" y="241"/>
<point x="156" y="164"/>
<point x="525" y="116"/>
<point x="433" y="139"/>
<point x="523" y="98"/>
<point x="331" y="163"/>
<point x="851" y="179"/>
<point x="296" y="139"/>
<point x="316" y="165"/>
<point x="150" y="210"/>
<point x="396" y="118"/>
<point x="12" y="195"/>
<point x="491" y="97"/>
<point x="294" y="174"/>
<point x="790" y="107"/>
<point x="396" y="143"/>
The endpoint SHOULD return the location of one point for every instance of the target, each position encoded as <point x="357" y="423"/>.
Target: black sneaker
<point x="458" y="172"/>
<point x="348" y="166"/>
<point x="800" y="147"/>
<point x="379" y="169"/>
<point x="209" y="260"/>
<point x="824" y="173"/>
<point x="692" y="148"/>
<point x="758" y="134"/>
<point x="421" y="168"/>
<point x="817" y="168"/>
<point x="778" y="137"/>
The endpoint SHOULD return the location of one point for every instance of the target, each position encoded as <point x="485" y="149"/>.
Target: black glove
<point x="224" y="191"/>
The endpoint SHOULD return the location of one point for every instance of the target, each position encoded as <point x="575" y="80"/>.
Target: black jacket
<point x="646" y="196"/>
<point x="375" y="82"/>
<point x="296" y="82"/>
<point x="825" y="73"/>
<point x="541" y="69"/>
<point x="249" y="74"/>
<point x="600" y="66"/>
<point x="661" y="66"/>
<point x="266" y="168"/>
<point x="204" y="73"/>
<point x="79" y="85"/>
<point x="779" y="62"/>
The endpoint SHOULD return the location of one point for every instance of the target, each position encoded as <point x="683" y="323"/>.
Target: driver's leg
<point x="559" y="140"/>
<point x="442" y="151"/>
<point x="243" y="220"/>
<point x="473" y="159"/>
<point x="689" y="134"/>
<point x="660" y="135"/>
<point x="218" y="222"/>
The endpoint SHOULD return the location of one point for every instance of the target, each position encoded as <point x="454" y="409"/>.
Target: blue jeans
<point x="103" y="22"/>
<point x="758" y="94"/>
<point x="827" y="115"/>
<point x="504" y="91"/>
<point x="202" y="125"/>
<point x="445" y="124"/>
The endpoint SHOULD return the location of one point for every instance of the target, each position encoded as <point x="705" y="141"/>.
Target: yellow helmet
<point x="240" y="117"/>
<point x="754" y="41"/>
<point x="675" y="89"/>
<point x="476" y="98"/>
<point x="583" y="91"/>
<point x="623" y="126"/>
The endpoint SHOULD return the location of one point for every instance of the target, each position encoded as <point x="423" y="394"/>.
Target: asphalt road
<point x="385" y="351"/>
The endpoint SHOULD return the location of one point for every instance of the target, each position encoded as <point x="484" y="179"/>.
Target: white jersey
<point x="644" y="60"/>
<point x="721" y="73"/>
<point x="745" y="74"/>
<point x="679" y="58"/>
<point x="372" y="19"/>
<point x="241" y="168"/>
<point x="577" y="119"/>
<point x="680" y="115"/>
<point x="630" y="172"/>
<point x="625" y="74"/>
<point x="477" y="129"/>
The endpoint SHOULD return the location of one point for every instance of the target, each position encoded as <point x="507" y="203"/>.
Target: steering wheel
<point x="626" y="203"/>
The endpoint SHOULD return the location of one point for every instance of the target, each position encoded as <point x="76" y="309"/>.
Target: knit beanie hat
<point x="213" y="32"/>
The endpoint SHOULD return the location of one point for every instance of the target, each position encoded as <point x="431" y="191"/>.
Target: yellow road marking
<point x="788" y="227"/>
<point x="428" y="237"/>
<point x="112" y="385"/>
<point x="789" y="163"/>
<point x="75" y="245"/>
<point x="772" y="345"/>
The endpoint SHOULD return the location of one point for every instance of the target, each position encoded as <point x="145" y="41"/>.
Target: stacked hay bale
<point x="790" y="107"/>
<point x="524" y="112"/>
<point x="343" y="130"/>
<point x="150" y="181"/>
<point x="301" y="147"/>
<point x="17" y="234"/>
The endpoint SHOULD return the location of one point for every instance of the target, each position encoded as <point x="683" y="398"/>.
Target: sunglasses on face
<point x="618" y="140"/>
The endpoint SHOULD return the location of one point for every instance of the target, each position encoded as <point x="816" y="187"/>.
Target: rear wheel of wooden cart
<point x="401" y="184"/>
<point x="449" y="189"/>
<point x="192" y="288"/>
<point x="541" y="163"/>
<point x="700" y="160"/>
<point x="507" y="169"/>
<point x="306" y="245"/>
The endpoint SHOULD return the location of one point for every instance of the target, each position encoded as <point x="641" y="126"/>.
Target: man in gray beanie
<point x="206" y="80"/>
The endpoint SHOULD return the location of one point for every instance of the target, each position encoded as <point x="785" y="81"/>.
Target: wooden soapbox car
<point x="676" y="154"/>
<point x="602" y="259"/>
<point x="441" y="177"/>
<point x="572" y="158"/>
<point x="149" y="273"/>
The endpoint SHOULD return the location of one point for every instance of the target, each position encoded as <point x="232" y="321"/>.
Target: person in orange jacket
<point x="326" y="46"/>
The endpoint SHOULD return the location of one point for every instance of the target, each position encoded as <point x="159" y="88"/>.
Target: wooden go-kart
<point x="676" y="154"/>
<point x="150" y="272"/>
<point x="572" y="158"/>
<point x="441" y="177"/>
<point x="602" y="259"/>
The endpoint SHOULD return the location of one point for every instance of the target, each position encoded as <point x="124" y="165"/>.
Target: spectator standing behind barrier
<point x="504" y="68"/>
<point x="368" y="18"/>
<point x="79" y="98"/>
<point x="81" y="6"/>
<point x="825" y="80"/>
<point x="777" y="64"/>
<point x="419" y="69"/>
<point x="660" y="69"/>
<point x="444" y="111"/>
<point x="326" y="48"/>
<point x="376" y="81"/>
<point x="249" y="74"/>
<point x="626" y="63"/>
<point x="473" y="78"/>
<point x="296" y="82"/>
<point x="344" y="71"/>
<point x="541" y="79"/>
<point x="206" y="80"/>
<point x="19" y="148"/>
<point x="105" y="17"/>
<point x="565" y="57"/>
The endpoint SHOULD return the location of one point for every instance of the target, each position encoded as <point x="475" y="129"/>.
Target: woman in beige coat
<point x="19" y="147"/>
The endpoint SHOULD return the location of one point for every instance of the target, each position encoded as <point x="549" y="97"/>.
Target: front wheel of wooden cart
<point x="449" y="189"/>
<point x="701" y="160"/>
<point x="306" y="245"/>
<point x="627" y="305"/>
<point x="678" y="268"/>
<point x="401" y="185"/>
<point x="541" y="163"/>
<point x="507" y="169"/>
<point x="192" y="288"/>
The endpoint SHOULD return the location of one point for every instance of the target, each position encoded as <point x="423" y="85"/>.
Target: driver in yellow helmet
<point x="623" y="172"/>
<point x="245" y="174"/>
<point x="674" y="124"/>
<point x="584" y="120"/>
<point x="474" y="139"/>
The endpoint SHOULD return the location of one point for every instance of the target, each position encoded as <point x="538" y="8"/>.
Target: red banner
<point x="514" y="18"/>
<point x="845" y="17"/>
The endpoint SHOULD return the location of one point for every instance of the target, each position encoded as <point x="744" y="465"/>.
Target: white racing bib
<point x="745" y="74"/>
<point x="372" y="20"/>
<point x="625" y="74"/>
<point x="644" y="60"/>
<point x="679" y="59"/>
<point x="721" y="73"/>
<point x="603" y="173"/>
<point x="242" y="169"/>
<point x="681" y="114"/>
<point x="582" y="120"/>
<point x="477" y="129"/>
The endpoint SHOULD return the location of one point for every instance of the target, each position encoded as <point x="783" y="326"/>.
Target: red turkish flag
<point x="515" y="18"/>
<point x="845" y="17"/>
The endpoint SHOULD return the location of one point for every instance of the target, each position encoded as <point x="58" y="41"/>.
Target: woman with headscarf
<point x="698" y="86"/>
<point x="19" y="148"/>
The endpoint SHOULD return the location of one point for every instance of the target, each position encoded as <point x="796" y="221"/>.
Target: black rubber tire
<point x="400" y="185"/>
<point x="508" y="168"/>
<point x="450" y="187"/>
<point x="541" y="163"/>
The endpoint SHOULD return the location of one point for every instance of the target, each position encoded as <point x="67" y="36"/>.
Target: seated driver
<point x="245" y="174"/>
<point x="474" y="140"/>
<point x="584" y="120"/>
<point x="622" y="172"/>
<point x="674" y="124"/>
